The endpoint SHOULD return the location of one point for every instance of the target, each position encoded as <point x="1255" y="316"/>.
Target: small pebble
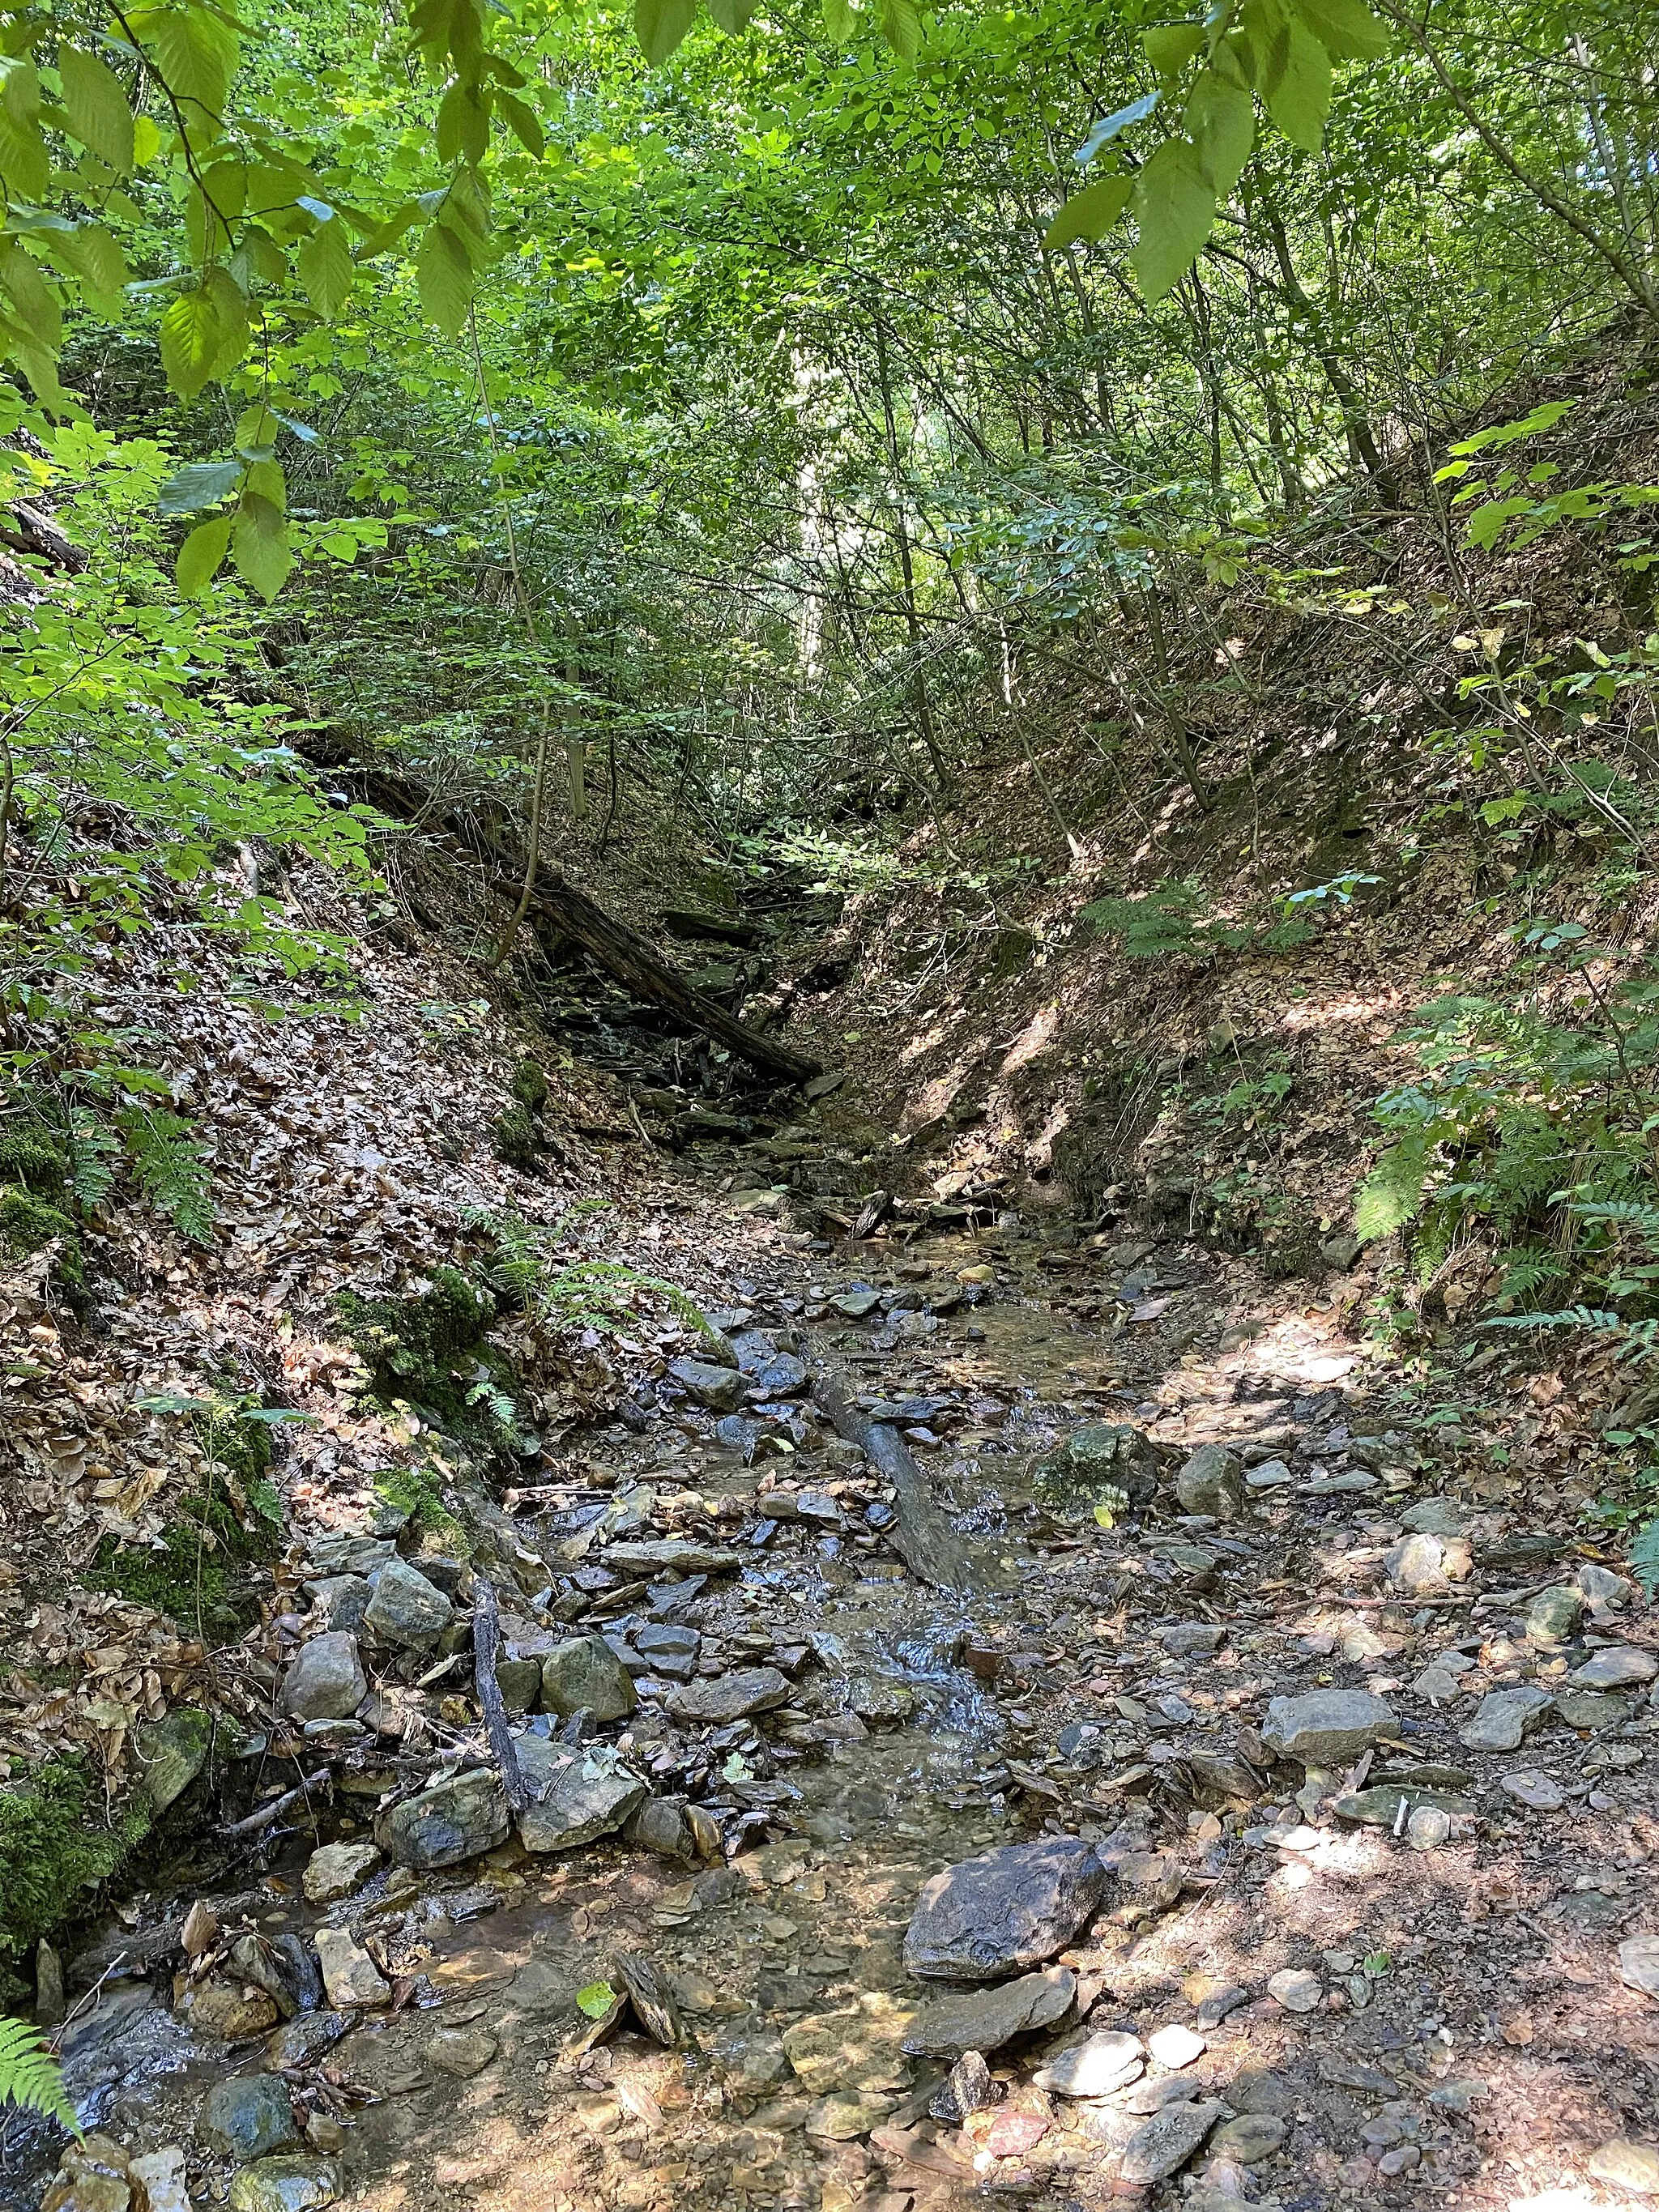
<point x="1297" y="1990"/>
<point x="1175" y="2047"/>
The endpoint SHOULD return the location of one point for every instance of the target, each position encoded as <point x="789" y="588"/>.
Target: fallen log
<point x="922" y="1536"/>
<point x="620" y="950"/>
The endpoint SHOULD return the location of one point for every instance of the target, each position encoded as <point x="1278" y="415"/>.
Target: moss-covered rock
<point x="55" y="1847"/>
<point x="203" y="1574"/>
<point x="27" y="1225"/>
<point x="434" y="1352"/>
<point x="529" y="1085"/>
<point x="30" y="1162"/>
<point x="515" y="1140"/>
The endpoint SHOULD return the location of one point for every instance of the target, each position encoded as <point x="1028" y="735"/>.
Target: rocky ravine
<point x="1285" y="1841"/>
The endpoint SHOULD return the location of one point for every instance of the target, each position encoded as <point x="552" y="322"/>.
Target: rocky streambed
<point x="1264" y="1817"/>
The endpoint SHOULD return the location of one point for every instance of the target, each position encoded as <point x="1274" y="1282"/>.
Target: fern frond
<point x="1644" y="1560"/>
<point x="1623" y="1214"/>
<point x="90" y="1144"/>
<point x="30" y="2077"/>
<point x="170" y="1166"/>
<point x="1393" y="1193"/>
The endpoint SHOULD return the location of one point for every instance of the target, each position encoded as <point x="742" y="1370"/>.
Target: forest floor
<point x="1324" y="2006"/>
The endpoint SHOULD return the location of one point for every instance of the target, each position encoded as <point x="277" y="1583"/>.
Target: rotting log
<point x="621" y="951"/>
<point x="922" y="1536"/>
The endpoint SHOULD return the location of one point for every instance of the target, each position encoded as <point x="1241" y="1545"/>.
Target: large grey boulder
<point x="454" y="1820"/>
<point x="575" y="1794"/>
<point x="406" y="1609"/>
<point x="1003" y="1912"/>
<point x="1209" y="1483"/>
<point x="326" y="1681"/>
<point x="1324" y="1728"/>
<point x="586" y="1673"/>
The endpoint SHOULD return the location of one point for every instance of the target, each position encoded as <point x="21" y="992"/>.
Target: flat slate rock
<point x="985" y="2019"/>
<point x="719" y="1700"/>
<point x="1003" y="1912"/>
<point x="1328" y="1727"/>
<point x="674" y="1555"/>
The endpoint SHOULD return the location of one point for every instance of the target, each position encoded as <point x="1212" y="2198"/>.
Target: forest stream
<point x="1256" y="1880"/>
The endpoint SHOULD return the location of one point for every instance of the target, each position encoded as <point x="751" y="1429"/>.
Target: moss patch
<point x="515" y="1140"/>
<point x="55" y="1845"/>
<point x="28" y="1223"/>
<point x="204" y="1547"/>
<point x="529" y="1085"/>
<point x="434" y="1352"/>
<point x="38" y="1167"/>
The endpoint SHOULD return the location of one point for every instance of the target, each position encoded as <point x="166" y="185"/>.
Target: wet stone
<point x="1504" y="1717"/>
<point x="248" y="2117"/>
<point x="301" y="2041"/>
<point x="462" y="2052"/>
<point x="219" y="2009"/>
<point x="1328" y="1727"/>
<point x="967" y="2089"/>
<point x="1005" y="1912"/>
<point x="1101" y="1455"/>
<point x="861" y="2049"/>
<point x="293" y="2184"/>
<point x="350" y="1975"/>
<point x="585" y="1674"/>
<point x="578" y="1796"/>
<point x="406" y="1609"/>
<point x="327" y="1680"/>
<point x="717" y="1700"/>
<point x="454" y="1820"/>
<point x="337" y="1869"/>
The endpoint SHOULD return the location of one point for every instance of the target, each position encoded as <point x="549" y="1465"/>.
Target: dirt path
<point x="1388" y="1970"/>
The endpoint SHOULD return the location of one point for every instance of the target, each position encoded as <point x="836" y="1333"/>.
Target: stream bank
<point x="1320" y="1955"/>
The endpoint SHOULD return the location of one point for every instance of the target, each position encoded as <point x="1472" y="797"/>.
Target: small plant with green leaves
<point x="31" y="2078"/>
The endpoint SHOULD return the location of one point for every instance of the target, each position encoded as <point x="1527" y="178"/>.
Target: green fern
<point x="1644" y="1558"/>
<point x="1393" y="1194"/>
<point x="30" y="2077"/>
<point x="170" y="1166"/>
<point x="1637" y="1339"/>
<point x="1642" y="1221"/>
<point x="90" y="1144"/>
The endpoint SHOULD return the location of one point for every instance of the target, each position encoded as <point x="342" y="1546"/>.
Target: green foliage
<point x="1644" y="1559"/>
<point x="432" y="1350"/>
<point x="170" y="1167"/>
<point x="28" y="1224"/>
<point x="526" y="1267"/>
<point x="529" y="1085"/>
<point x="31" y="2079"/>
<point x="55" y="1847"/>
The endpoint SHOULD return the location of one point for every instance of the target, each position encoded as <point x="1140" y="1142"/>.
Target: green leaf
<point x="191" y="335"/>
<point x="201" y="555"/>
<point x="195" y="51"/>
<point x="262" y="555"/>
<point x="98" y="112"/>
<point x="733" y="15"/>
<point x="462" y="126"/>
<point x="23" y="157"/>
<point x="1392" y="1193"/>
<point x="31" y="295"/>
<point x="523" y="122"/>
<point x="1170" y="46"/>
<point x="1090" y="213"/>
<point x="387" y="234"/>
<point x="1221" y="121"/>
<point x="659" y="26"/>
<point x="231" y="309"/>
<point x="839" y="21"/>
<point x="596" y="2000"/>
<point x="90" y="251"/>
<point x="1348" y="31"/>
<point x="900" y="24"/>
<point x="443" y="276"/>
<point x="1174" y="207"/>
<point x="201" y="484"/>
<point x="255" y="432"/>
<point x="325" y="267"/>
<point x="1301" y="99"/>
